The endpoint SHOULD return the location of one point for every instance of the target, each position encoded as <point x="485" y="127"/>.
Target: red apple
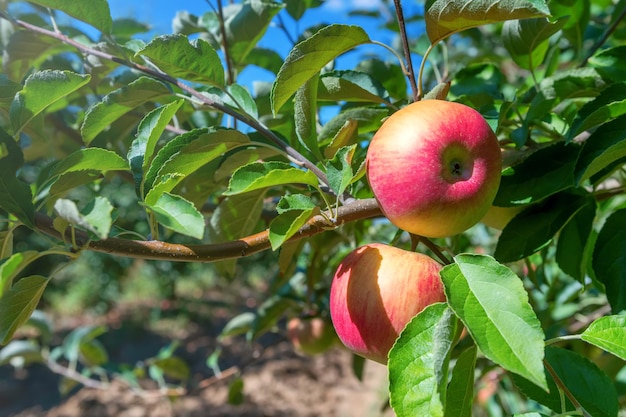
<point x="376" y="291"/>
<point x="434" y="167"/>
<point x="311" y="335"/>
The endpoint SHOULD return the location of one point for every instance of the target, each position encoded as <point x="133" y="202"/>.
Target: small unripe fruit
<point x="312" y="335"/>
<point x="376" y="291"/>
<point x="434" y="167"/>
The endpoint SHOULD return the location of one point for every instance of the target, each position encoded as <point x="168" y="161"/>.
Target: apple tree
<point x="533" y="319"/>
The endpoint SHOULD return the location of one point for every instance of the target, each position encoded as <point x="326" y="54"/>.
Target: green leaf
<point x="563" y="85"/>
<point x="95" y="12"/>
<point x="68" y="181"/>
<point x="543" y="173"/>
<point x="149" y="131"/>
<point x="236" y="216"/>
<point x="339" y="169"/>
<point x="478" y="80"/>
<point x="6" y="245"/>
<point x="93" y="353"/>
<point x="27" y="50"/>
<point x="241" y="157"/>
<point x="439" y="92"/>
<point x="358" y="366"/>
<point x="89" y="159"/>
<point x="345" y="136"/>
<point x="591" y="387"/>
<point x="491" y="301"/>
<point x="8" y="90"/>
<point x="605" y="146"/>
<point x="295" y="202"/>
<point x="608" y="105"/>
<point x="572" y="247"/>
<point x="18" y="303"/>
<point x="124" y="28"/>
<point x="167" y="152"/>
<point x="534" y="228"/>
<point x="174" y="367"/>
<point x="248" y="25"/>
<point x="268" y="313"/>
<point x="12" y="266"/>
<point x="567" y="84"/>
<point x="264" y="58"/>
<point x="236" y="393"/>
<point x="445" y="17"/>
<point x="98" y="214"/>
<point x="461" y="387"/>
<point x="178" y="214"/>
<point x="305" y="116"/>
<point x="15" y="195"/>
<point x="297" y="8"/>
<point x="187" y="153"/>
<point x="119" y="102"/>
<point x="239" y="324"/>
<point x="96" y="217"/>
<point x="418" y="363"/>
<point x="389" y="75"/>
<point x="195" y="61"/>
<point x="26" y="350"/>
<point x="369" y="120"/>
<point x="73" y="342"/>
<point x="609" y="260"/>
<point x="527" y="40"/>
<point x="260" y="175"/>
<point x="186" y="23"/>
<point x="239" y="98"/>
<point x="551" y="398"/>
<point x="42" y="323"/>
<point x="288" y="257"/>
<point x="608" y="333"/>
<point x="41" y="90"/>
<point x="287" y="224"/>
<point x="608" y="62"/>
<point x="350" y="86"/>
<point x="578" y="13"/>
<point x="308" y="57"/>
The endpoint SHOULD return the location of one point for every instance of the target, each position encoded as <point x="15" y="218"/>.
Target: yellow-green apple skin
<point x="498" y="217"/>
<point x="376" y="290"/>
<point x="311" y="335"/>
<point x="434" y="167"/>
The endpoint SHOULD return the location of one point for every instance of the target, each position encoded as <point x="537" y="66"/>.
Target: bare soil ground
<point x="278" y="383"/>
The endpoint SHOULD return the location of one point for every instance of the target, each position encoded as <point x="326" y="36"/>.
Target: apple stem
<point x="407" y="51"/>
<point x="420" y="74"/>
<point x="430" y="245"/>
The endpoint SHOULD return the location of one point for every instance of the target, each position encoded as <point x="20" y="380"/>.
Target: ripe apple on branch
<point x="434" y="167"/>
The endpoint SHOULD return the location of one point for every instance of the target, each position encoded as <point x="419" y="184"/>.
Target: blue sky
<point x="159" y="14"/>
